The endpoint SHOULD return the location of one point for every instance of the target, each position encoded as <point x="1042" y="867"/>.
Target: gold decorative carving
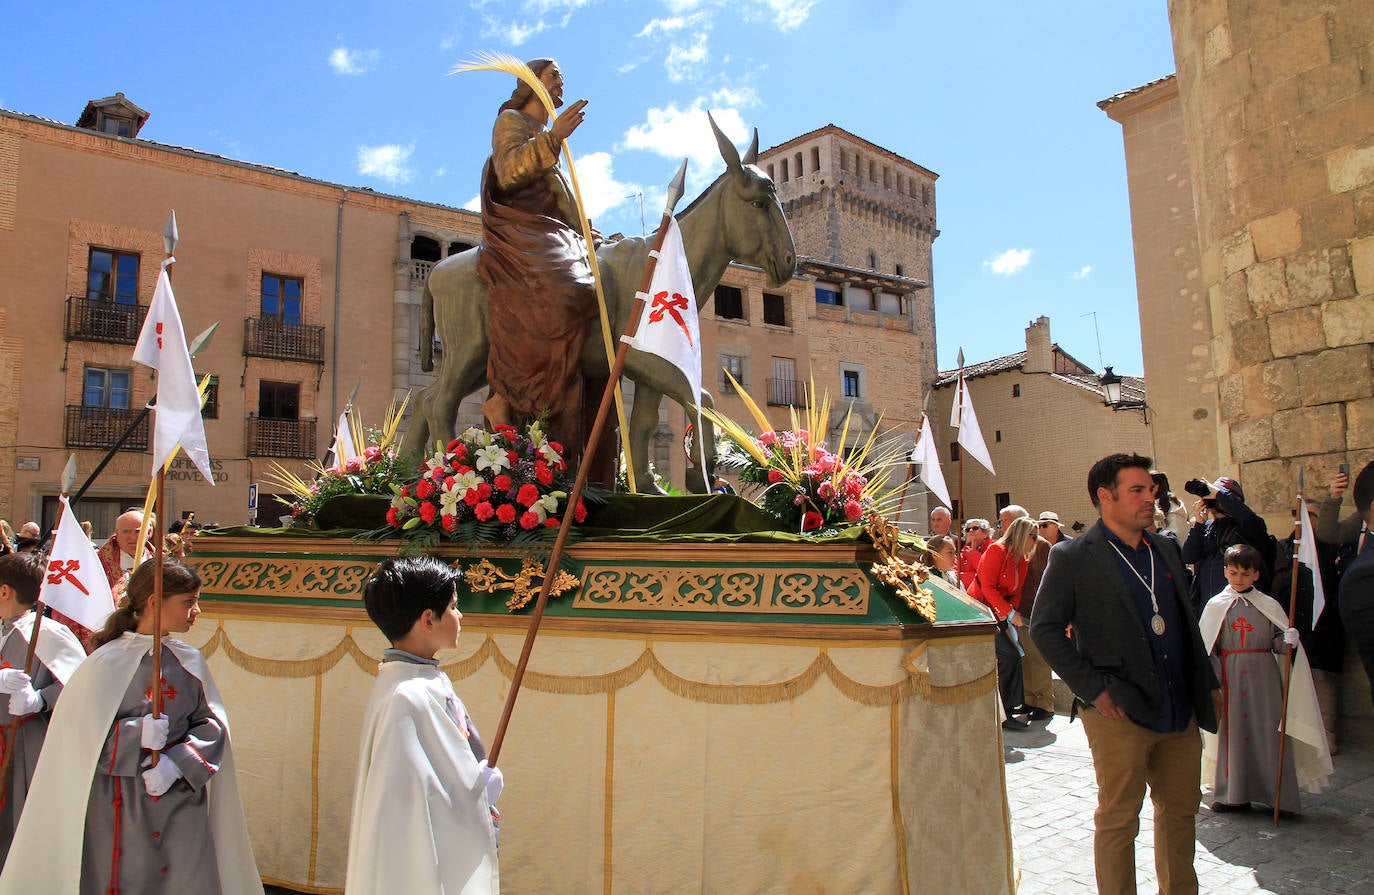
<point x="902" y="576"/>
<point x="728" y="589"/>
<point x="485" y="577"/>
<point x="284" y="577"/>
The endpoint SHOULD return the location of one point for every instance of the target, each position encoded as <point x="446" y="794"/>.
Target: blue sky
<point x="997" y="97"/>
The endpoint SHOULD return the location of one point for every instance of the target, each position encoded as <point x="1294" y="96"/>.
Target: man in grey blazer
<point x="1112" y="618"/>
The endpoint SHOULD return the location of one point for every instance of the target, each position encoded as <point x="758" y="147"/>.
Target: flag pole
<point x="1294" y="569"/>
<point x="11" y="729"/>
<point x="963" y="511"/>
<point x="169" y="242"/>
<point x="584" y="468"/>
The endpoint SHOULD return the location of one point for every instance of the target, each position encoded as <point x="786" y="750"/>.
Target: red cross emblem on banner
<point x="1243" y="627"/>
<point x="665" y="305"/>
<point x="168" y="692"/>
<point x="159" y="336"/>
<point x="60" y="570"/>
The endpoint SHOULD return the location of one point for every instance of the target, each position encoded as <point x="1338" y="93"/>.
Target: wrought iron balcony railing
<point x="269" y="337"/>
<point x="787" y="393"/>
<point x="100" y="427"/>
<point x="281" y="438"/>
<point x="100" y="320"/>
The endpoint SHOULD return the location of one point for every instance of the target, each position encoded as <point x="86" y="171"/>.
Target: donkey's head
<point x="751" y="219"/>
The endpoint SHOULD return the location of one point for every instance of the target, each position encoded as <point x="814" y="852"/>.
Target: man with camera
<point x="1220" y="519"/>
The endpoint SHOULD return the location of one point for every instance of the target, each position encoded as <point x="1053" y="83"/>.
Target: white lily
<point x="492" y="457"/>
<point x="465" y="482"/>
<point x="545" y="506"/>
<point x="477" y="435"/>
<point x="449" y="499"/>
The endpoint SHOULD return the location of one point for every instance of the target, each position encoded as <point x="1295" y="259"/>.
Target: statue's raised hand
<point x="566" y="123"/>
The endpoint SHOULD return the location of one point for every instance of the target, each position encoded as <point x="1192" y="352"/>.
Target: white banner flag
<point x="343" y="443"/>
<point x="965" y="420"/>
<point x="75" y="583"/>
<point x="927" y="453"/>
<point x="162" y="346"/>
<point x="1307" y="555"/>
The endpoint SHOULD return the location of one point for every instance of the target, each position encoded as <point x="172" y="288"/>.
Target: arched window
<point x="422" y="248"/>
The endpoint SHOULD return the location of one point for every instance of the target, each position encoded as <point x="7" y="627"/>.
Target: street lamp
<point x="1111" y="387"/>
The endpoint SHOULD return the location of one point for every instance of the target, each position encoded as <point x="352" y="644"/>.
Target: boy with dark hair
<point x="27" y="700"/>
<point x="1247" y="631"/>
<point x="422" y="767"/>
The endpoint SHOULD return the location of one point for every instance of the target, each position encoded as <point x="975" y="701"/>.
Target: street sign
<point x="253" y="496"/>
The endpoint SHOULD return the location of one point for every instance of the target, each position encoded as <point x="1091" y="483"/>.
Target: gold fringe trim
<point x="823" y="667"/>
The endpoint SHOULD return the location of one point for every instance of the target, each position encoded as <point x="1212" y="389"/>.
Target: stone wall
<point x="1278" y="105"/>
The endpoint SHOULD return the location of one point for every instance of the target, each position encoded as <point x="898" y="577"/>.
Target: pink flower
<point x="811" y="520"/>
<point x="774" y="476"/>
<point x="854" y="486"/>
<point x="428" y="511"/>
<point x="373" y="453"/>
<point x="853" y="511"/>
<point x="527" y="495"/>
<point x="826" y="462"/>
<point x="505" y="513"/>
<point x="768" y="438"/>
<point x="354" y="464"/>
<point x="483" y="511"/>
<point x="529" y="520"/>
<point x="826" y="491"/>
<point x="798" y="500"/>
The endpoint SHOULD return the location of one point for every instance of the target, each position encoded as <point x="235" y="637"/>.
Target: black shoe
<point x="1225" y="807"/>
<point x="1015" y="724"/>
<point x="1039" y="714"/>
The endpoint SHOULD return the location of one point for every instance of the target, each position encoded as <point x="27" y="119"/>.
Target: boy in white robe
<point x="423" y="815"/>
<point x="27" y="700"/>
<point x="1248" y="635"/>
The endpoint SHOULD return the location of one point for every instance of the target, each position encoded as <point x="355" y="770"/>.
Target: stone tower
<point x="1278" y="104"/>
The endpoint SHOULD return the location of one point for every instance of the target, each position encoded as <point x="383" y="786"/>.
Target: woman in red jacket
<point x="1001" y="572"/>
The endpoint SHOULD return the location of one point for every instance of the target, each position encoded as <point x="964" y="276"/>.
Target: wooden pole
<point x="584" y="468"/>
<point x="1294" y="569"/>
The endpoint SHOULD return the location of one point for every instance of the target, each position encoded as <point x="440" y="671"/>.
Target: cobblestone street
<point x="1052" y="794"/>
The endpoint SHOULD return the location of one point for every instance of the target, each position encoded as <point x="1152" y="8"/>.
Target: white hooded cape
<point x="58" y="648"/>
<point x="1311" y="753"/>
<point x="46" y="854"/>
<point x="421" y="821"/>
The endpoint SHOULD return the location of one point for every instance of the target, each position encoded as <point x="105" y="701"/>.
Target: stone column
<point x="1278" y="103"/>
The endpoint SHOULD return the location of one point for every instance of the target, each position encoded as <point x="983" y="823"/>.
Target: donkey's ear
<point x="727" y="149"/>
<point x="751" y="155"/>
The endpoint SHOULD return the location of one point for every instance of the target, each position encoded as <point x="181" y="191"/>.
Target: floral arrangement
<point x="376" y="471"/>
<point x="797" y="478"/>
<point x="488" y="485"/>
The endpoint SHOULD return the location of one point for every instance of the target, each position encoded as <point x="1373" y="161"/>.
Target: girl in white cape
<point x="101" y="817"/>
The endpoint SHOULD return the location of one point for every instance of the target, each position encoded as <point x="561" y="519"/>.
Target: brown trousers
<point x="1127" y="758"/>
<point x="1035" y="676"/>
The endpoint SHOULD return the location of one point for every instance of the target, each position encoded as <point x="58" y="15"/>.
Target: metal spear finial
<point x="69" y="475"/>
<point x="169" y="233"/>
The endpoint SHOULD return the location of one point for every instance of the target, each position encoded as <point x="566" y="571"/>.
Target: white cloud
<point x="1083" y="272"/>
<point x="674" y="132"/>
<point x="600" y="190"/>
<point x="352" y="62"/>
<point x="473" y="204"/>
<point x="1009" y="263"/>
<point x="385" y="162"/>
<point x="788" y="15"/>
<point x="684" y="63"/>
<point x="662" y="26"/>
<point x="737" y="97"/>
<point x="535" y="17"/>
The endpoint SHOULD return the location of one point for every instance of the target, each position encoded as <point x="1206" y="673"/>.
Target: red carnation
<point x="811" y="520"/>
<point x="483" y="491"/>
<point x="454" y="445"/>
<point x="391" y="518"/>
<point x="544" y="475"/>
<point x="460" y="450"/>
<point x="428" y="511"/>
<point x="405" y="490"/>
<point x="853" y="511"/>
<point x="505" y="513"/>
<point x="527" y="495"/>
<point x="472" y="497"/>
<point x="461" y="468"/>
<point x="424" y="489"/>
<point x="580" y="513"/>
<point x="551" y="522"/>
<point x="513" y="457"/>
<point x="529" y="520"/>
<point x="774" y="476"/>
<point x="557" y="447"/>
<point x="503" y="482"/>
<point x="450" y="522"/>
<point x="483" y="511"/>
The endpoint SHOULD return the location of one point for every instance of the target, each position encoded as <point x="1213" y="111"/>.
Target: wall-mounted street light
<point x="1111" y="392"/>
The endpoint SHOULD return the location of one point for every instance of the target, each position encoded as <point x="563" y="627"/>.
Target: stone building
<point x="1278" y="119"/>
<point x="301" y="275"/>
<point x="1045" y="420"/>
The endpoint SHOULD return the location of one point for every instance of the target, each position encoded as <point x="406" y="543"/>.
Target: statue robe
<point x="55" y="659"/>
<point x="1242" y="757"/>
<point x="191" y="839"/>
<point x="421" y="820"/>
<point x="541" y="295"/>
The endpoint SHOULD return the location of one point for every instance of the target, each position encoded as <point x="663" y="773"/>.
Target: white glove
<point x="160" y="777"/>
<point x="25" y="702"/>
<point x="1290" y="636"/>
<point x="493" y="780"/>
<point x="155" y="732"/>
<point x="12" y="680"/>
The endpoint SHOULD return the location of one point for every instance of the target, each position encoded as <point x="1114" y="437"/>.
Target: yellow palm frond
<point x="284" y="478"/>
<point x="760" y="418"/>
<point x="392" y="423"/>
<point x="736" y="433"/>
<point x="505" y="62"/>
